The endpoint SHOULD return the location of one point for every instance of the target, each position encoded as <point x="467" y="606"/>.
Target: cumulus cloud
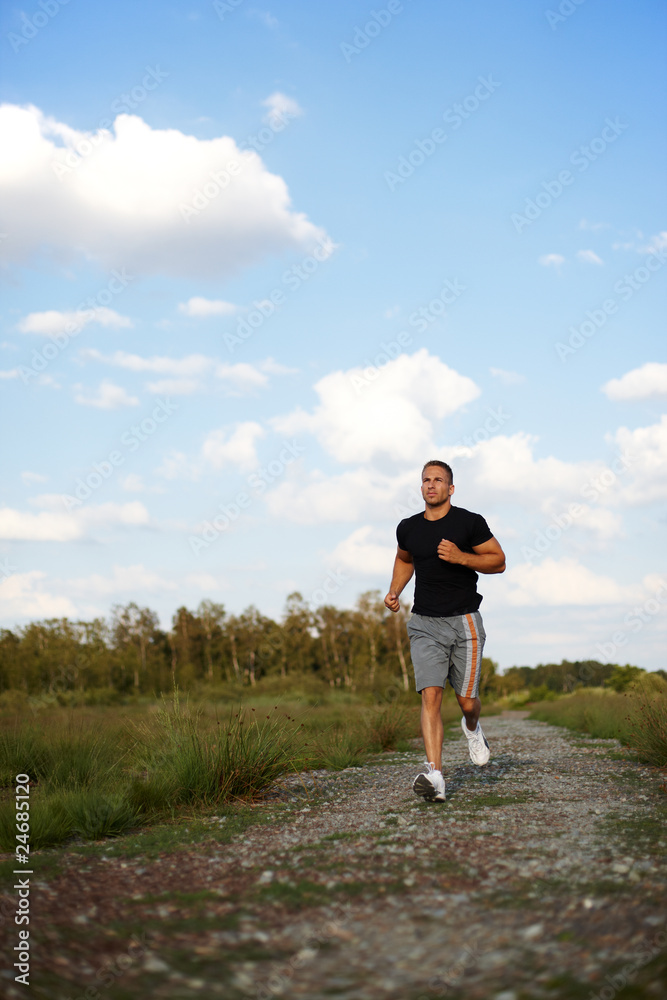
<point x="54" y="524"/>
<point x="33" y="477"/>
<point x="240" y="377"/>
<point x="107" y="397"/>
<point x="646" y="451"/>
<point x="281" y="107"/>
<point x="201" y="308"/>
<point x="22" y="595"/>
<point x="507" y="377"/>
<point x="506" y="467"/>
<point x="360" y="554"/>
<point x="215" y="211"/>
<point x="589" y="257"/>
<point x="236" y="447"/>
<point x="393" y="414"/>
<point x="640" y="383"/>
<point x="173" y="387"/>
<point x="551" y="260"/>
<point x="191" y="364"/>
<point x="122" y="579"/>
<point x="52" y="321"/>
<point x="563" y="582"/>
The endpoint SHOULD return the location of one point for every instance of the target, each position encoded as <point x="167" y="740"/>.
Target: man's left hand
<point x="450" y="552"/>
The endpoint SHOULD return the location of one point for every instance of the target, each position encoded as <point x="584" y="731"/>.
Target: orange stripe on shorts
<point x="473" y="672"/>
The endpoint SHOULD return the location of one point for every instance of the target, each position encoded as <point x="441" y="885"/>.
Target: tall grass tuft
<point x="50" y="823"/>
<point x="388" y="726"/>
<point x="95" y="814"/>
<point x="638" y="718"/>
<point x="199" y="765"/>
<point x="648" y="724"/>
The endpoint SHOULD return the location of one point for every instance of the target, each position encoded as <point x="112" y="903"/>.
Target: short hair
<point x="443" y="465"/>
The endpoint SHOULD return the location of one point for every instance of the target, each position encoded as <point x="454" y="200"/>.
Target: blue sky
<point x="439" y="226"/>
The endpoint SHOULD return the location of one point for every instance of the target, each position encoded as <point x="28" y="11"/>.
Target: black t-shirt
<point x="443" y="589"/>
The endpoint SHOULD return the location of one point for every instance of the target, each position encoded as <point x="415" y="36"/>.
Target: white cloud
<point x="110" y="207"/>
<point x="10" y="373"/>
<point x="363" y="556"/>
<point x="589" y="257"/>
<point x="177" y="465"/>
<point x="192" y="364"/>
<point x="19" y="525"/>
<point x="593" y="226"/>
<point x="656" y="243"/>
<point x="133" y="483"/>
<point x="173" y="387"/>
<point x="392" y="415"/>
<point x="237" y="447"/>
<point x="200" y="307"/>
<point x="316" y="498"/>
<point x="22" y="596"/>
<point x="272" y="367"/>
<point x="551" y="260"/>
<point x="640" y="383"/>
<point x="646" y="451"/>
<point x="281" y="107"/>
<point x="264" y="17"/>
<point x="108" y="397"/>
<point x="55" y="524"/>
<point x="123" y="579"/>
<point x="202" y="581"/>
<point x="52" y="321"/>
<point x="562" y="582"/>
<point x="33" y="477"/>
<point x="506" y="467"/>
<point x="507" y="377"/>
<point x="241" y="377"/>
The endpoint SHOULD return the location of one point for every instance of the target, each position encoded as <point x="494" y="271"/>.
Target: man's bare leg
<point x="432" y="728"/>
<point x="471" y="707"/>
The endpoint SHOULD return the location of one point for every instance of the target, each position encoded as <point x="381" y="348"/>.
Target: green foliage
<point x="638" y="719"/>
<point x="96" y="814"/>
<point x="623" y="677"/>
<point x="202" y="766"/>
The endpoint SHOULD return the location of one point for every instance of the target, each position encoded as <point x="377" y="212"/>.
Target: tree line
<point x="365" y="647"/>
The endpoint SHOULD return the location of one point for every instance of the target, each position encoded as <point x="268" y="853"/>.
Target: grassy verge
<point x="637" y="719"/>
<point x="98" y="775"/>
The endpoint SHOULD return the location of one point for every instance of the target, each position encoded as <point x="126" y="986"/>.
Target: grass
<point x="637" y="719"/>
<point x="93" y="776"/>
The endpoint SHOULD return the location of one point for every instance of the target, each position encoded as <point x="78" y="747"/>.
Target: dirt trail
<point x="543" y="875"/>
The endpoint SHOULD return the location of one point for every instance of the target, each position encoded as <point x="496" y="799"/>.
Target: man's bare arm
<point x="485" y="558"/>
<point x="403" y="570"/>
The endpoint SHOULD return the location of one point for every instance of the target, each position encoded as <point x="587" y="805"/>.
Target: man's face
<point x="435" y="486"/>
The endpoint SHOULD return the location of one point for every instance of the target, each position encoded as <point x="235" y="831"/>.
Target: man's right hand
<point x="392" y="601"/>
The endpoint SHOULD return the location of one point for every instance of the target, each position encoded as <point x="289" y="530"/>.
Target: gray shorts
<point x="445" y="649"/>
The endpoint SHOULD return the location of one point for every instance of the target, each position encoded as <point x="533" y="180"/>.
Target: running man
<point x="446" y="547"/>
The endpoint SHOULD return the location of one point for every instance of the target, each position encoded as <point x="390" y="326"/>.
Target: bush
<point x="235" y="761"/>
<point x="94" y="815"/>
<point x="648" y="721"/>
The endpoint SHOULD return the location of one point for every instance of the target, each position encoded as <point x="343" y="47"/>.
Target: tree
<point x="133" y="629"/>
<point x="211" y="617"/>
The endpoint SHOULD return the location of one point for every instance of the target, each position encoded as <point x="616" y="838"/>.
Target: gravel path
<point x="543" y="875"/>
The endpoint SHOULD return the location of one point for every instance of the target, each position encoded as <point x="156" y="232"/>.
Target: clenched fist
<point x="450" y="552"/>
<point x="392" y="601"/>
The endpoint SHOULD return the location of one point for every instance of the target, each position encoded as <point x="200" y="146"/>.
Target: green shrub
<point x="95" y="815"/>
<point x="50" y="823"/>
<point x="208" y="766"/>
<point x="385" y="726"/>
<point x="648" y="722"/>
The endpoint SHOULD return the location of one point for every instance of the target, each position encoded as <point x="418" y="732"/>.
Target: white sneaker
<point x="478" y="745"/>
<point x="431" y="785"/>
